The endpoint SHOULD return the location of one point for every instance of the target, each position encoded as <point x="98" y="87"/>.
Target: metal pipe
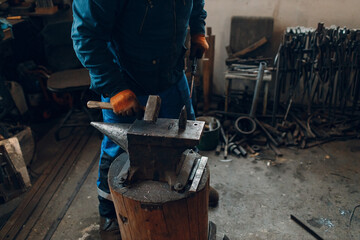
<point x="306" y="228"/>
<point x="276" y="88"/>
<point x="234" y="149"/>
<point x="268" y="135"/>
<point x="259" y="81"/>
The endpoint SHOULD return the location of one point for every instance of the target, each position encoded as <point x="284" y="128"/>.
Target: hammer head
<point x="152" y="109"/>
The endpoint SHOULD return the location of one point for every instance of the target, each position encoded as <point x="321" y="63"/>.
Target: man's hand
<point x="198" y="46"/>
<point x="125" y="103"/>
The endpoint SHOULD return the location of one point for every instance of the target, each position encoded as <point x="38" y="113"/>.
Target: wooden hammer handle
<point x="99" y="105"/>
<point x="150" y="113"/>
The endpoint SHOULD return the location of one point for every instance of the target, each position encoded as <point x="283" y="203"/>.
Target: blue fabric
<point x="134" y="44"/>
<point x="4" y="24"/>
<point x="172" y="101"/>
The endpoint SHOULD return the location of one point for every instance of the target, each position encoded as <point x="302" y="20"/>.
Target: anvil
<point x="158" y="150"/>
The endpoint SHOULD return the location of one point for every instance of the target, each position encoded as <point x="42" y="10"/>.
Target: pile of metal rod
<point x="319" y="69"/>
<point x="317" y="83"/>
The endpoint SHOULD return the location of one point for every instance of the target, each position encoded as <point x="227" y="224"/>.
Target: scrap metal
<point x="320" y="69"/>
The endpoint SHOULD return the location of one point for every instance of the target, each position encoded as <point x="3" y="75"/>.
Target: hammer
<point x="152" y="108"/>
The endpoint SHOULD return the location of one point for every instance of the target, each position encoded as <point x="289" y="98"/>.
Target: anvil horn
<point x="117" y="132"/>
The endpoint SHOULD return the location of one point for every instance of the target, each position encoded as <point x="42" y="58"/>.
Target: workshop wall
<point x="285" y="13"/>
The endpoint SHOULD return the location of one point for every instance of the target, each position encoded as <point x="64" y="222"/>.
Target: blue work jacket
<point x="134" y="44"/>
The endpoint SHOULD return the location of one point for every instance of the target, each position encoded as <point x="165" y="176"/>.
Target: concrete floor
<point x="320" y="186"/>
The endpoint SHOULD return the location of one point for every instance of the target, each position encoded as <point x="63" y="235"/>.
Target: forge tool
<point x="193" y="73"/>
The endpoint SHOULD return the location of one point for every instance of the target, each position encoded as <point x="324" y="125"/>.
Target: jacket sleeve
<point x="197" y="18"/>
<point x="91" y="33"/>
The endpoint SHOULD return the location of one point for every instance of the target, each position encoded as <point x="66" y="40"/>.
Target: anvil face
<point x="165" y="132"/>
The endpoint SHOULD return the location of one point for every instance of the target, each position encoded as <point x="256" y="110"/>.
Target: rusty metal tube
<point x="257" y="90"/>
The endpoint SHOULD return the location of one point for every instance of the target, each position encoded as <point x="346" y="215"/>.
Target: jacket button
<point x="154" y="62"/>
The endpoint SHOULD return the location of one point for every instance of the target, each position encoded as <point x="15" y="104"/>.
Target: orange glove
<point x="125" y="103"/>
<point x="198" y="45"/>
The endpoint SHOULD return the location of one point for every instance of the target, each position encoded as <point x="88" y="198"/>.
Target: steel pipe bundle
<point x="319" y="70"/>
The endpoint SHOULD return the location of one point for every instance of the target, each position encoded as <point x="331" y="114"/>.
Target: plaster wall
<point x="285" y="13"/>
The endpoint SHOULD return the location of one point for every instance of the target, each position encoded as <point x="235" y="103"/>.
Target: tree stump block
<point x="150" y="210"/>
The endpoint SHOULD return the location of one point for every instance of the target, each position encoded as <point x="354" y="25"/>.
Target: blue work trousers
<point x="172" y="101"/>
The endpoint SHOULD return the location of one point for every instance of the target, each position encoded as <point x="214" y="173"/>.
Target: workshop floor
<point x="320" y="186"/>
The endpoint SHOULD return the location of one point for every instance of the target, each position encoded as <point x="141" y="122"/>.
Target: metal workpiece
<point x="245" y="125"/>
<point x="242" y="151"/>
<point x="234" y="149"/>
<point x="117" y="132"/>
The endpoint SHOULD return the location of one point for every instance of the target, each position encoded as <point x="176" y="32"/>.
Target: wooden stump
<point x="150" y="210"/>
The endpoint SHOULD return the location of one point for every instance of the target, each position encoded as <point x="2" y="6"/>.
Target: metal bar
<point x="259" y="81"/>
<point x="266" y="93"/>
<point x="306" y="228"/>
<point x="268" y="135"/>
<point x="212" y="231"/>
<point x="198" y="175"/>
<point x="277" y="87"/>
